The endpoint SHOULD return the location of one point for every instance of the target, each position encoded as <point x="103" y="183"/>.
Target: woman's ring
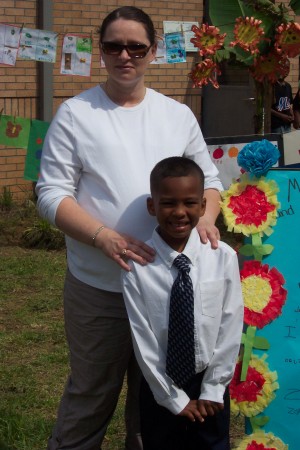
<point x="124" y="251"/>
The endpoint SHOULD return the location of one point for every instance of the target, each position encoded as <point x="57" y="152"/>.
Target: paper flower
<point x="252" y="396"/>
<point x="261" y="441"/>
<point x="249" y="206"/>
<point x="258" y="157"/>
<point x="247" y="33"/>
<point x="204" y="72"/>
<point x="263" y="293"/>
<point x="270" y="67"/>
<point x="208" y="39"/>
<point x="287" y="39"/>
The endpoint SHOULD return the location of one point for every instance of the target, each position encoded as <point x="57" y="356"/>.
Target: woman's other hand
<point x="121" y="247"/>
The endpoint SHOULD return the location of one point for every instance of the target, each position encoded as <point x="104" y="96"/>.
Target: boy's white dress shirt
<point x="218" y="316"/>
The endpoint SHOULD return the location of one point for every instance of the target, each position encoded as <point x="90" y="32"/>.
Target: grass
<point x="33" y="350"/>
<point x="32" y="345"/>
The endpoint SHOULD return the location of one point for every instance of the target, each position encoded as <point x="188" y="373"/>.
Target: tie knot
<point x="182" y="263"/>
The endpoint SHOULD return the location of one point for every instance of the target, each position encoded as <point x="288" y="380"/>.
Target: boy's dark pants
<point x="162" y="430"/>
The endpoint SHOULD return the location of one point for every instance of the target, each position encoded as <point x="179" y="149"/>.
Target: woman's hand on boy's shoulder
<point x="208" y="232"/>
<point x="200" y="409"/>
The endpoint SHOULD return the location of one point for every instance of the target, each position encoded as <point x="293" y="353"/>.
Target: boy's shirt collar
<point x="168" y="254"/>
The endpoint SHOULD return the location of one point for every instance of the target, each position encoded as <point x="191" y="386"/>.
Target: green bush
<point x="43" y="235"/>
<point x="6" y="199"/>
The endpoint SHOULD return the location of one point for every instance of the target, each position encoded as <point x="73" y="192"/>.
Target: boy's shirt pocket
<point x="211" y="295"/>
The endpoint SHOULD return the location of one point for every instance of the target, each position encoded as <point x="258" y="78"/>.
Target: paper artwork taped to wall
<point x="9" y="44"/>
<point x="161" y="51"/>
<point x="175" y="48"/>
<point x="76" y="55"/>
<point x="183" y="28"/>
<point x="38" y="45"/>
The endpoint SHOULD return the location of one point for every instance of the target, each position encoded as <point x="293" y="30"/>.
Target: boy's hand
<point x="191" y="411"/>
<point x="209" y="408"/>
<point x="200" y="409"/>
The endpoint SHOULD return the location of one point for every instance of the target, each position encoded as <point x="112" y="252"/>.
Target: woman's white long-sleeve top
<point x="101" y="154"/>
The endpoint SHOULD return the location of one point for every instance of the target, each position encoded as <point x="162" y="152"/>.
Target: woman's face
<point x="123" y="68"/>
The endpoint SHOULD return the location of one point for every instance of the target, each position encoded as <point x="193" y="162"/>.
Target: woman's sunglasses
<point x="133" y="50"/>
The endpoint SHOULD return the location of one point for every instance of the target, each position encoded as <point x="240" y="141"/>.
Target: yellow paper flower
<point x="249" y="206"/>
<point x="204" y="72"/>
<point x="263" y="293"/>
<point x="248" y="33"/>
<point x="261" y="441"/>
<point x="270" y="67"/>
<point x="288" y="39"/>
<point x="208" y="39"/>
<point x="252" y="396"/>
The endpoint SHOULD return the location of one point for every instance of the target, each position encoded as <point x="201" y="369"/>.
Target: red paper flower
<point x="259" y="440"/>
<point x="255" y="446"/>
<point x="248" y="33"/>
<point x="263" y="293"/>
<point x="288" y="39"/>
<point x="248" y="390"/>
<point x="252" y="396"/>
<point x="270" y="67"/>
<point x="251" y="206"/>
<point x="204" y="72"/>
<point x="208" y="39"/>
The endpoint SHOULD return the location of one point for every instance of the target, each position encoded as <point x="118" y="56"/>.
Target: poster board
<point x="283" y="333"/>
<point x="224" y="152"/>
<point x="291" y="144"/>
<point x="182" y="27"/>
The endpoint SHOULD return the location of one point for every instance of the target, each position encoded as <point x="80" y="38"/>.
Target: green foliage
<point x="43" y="235"/>
<point x="20" y="224"/>
<point x="6" y="199"/>
<point x="224" y="13"/>
<point x="295" y="5"/>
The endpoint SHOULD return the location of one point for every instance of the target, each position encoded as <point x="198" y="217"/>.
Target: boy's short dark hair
<point x="175" y="166"/>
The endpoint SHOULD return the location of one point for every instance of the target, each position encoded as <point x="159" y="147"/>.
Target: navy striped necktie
<point x="180" y="364"/>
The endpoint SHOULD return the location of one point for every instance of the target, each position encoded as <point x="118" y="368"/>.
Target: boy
<point x="282" y="115"/>
<point x="192" y="413"/>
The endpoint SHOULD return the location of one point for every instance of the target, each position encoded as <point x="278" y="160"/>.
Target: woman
<point x="97" y="157"/>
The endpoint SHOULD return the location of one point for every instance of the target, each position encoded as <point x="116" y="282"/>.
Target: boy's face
<point x="178" y="204"/>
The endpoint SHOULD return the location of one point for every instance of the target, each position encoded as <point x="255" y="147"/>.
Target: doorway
<point x="229" y="110"/>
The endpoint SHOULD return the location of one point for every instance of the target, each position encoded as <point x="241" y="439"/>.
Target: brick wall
<point x="18" y="95"/>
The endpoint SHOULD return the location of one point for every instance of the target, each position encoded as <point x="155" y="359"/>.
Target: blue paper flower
<point x="258" y="157"/>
